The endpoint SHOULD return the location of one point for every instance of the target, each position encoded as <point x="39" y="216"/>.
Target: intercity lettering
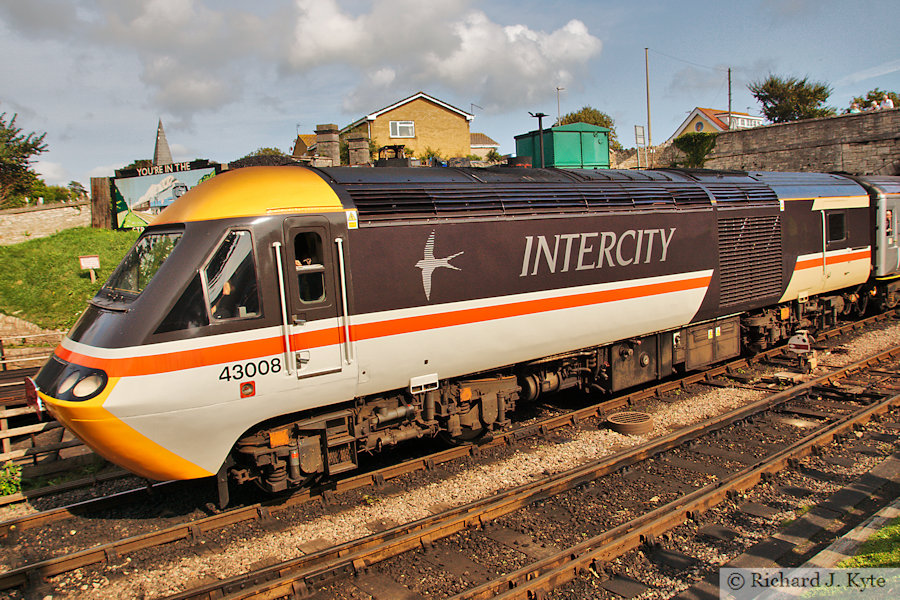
<point x="594" y="250"/>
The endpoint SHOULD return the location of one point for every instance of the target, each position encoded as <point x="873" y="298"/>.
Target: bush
<point x="696" y="145"/>
<point x="10" y="479"/>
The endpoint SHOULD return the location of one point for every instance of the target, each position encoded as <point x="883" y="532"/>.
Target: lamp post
<point x="558" y="113"/>
<point x="540" y="117"/>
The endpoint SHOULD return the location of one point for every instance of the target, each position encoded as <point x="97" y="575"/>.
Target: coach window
<point x="310" y="266"/>
<point x="889" y="223"/>
<point x="230" y="275"/>
<point x="837" y="227"/>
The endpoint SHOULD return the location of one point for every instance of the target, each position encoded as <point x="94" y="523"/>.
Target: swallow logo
<point x="429" y="263"/>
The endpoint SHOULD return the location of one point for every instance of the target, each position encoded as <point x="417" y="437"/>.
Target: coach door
<point x="889" y="244"/>
<point x="313" y="298"/>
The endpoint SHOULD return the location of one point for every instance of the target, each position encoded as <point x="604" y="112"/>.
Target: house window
<point x="403" y="129"/>
<point x="698" y="126"/>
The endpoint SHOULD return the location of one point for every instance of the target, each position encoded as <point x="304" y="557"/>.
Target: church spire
<point x="161" y="154"/>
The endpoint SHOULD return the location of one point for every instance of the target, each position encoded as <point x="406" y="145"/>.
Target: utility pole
<point x="729" y="98"/>
<point x="540" y="117"/>
<point x="647" y="82"/>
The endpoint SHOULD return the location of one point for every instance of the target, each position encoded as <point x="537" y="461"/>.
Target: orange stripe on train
<point x="812" y="263"/>
<point x="235" y="352"/>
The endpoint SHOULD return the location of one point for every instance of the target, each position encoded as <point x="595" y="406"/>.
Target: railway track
<point x="195" y="530"/>
<point x="400" y="550"/>
<point x="378" y="477"/>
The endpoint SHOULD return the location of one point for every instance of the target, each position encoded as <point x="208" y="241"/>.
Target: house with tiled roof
<point x="418" y="122"/>
<point x="482" y="145"/>
<point x="304" y="145"/>
<point x="708" y="120"/>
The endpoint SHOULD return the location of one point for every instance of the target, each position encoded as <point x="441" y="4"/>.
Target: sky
<point x="228" y="76"/>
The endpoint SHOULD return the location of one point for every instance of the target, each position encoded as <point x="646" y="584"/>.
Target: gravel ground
<point x="238" y="555"/>
<point x="710" y="553"/>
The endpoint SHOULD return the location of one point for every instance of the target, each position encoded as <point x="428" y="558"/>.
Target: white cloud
<point x="196" y="55"/>
<point x="411" y="46"/>
<point x="877" y="71"/>
<point x="104" y="170"/>
<point x="53" y="173"/>
<point x="511" y="65"/>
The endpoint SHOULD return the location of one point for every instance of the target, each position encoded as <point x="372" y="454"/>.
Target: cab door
<point x="313" y="298"/>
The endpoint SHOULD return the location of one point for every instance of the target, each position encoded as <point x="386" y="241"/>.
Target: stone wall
<point x="22" y="224"/>
<point x="867" y="143"/>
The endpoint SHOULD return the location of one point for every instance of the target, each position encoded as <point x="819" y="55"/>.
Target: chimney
<point x="328" y="142"/>
<point x="359" y="150"/>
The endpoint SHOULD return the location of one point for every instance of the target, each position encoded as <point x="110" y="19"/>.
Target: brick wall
<point x="21" y="224"/>
<point x="436" y="128"/>
<point x="863" y="144"/>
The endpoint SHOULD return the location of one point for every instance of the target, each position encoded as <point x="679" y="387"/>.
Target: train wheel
<point x="862" y="303"/>
<point x="890" y="300"/>
<point x="468" y="436"/>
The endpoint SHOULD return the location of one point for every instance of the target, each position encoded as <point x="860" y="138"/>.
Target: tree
<point x="696" y="146"/>
<point x="787" y="99"/>
<point x="262" y="157"/>
<point x="266" y="152"/>
<point x="493" y="156"/>
<point x="76" y="189"/>
<point x="51" y="194"/>
<point x="592" y="116"/>
<point x="875" y="95"/>
<point x="17" y="151"/>
<point x="140" y="163"/>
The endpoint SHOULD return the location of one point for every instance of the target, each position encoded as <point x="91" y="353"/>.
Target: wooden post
<point x="102" y="209"/>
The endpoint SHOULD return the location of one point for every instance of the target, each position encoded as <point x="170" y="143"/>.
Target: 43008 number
<point x="250" y="369"/>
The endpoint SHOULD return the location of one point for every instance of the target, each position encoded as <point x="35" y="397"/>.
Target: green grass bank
<point x="41" y="280"/>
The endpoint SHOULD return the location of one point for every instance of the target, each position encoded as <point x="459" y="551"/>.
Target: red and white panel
<point x="465" y="337"/>
<point x="819" y="272"/>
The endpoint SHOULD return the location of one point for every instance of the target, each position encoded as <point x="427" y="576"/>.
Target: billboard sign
<point x="141" y="194"/>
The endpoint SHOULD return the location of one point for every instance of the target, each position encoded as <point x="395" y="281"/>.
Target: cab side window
<point x="232" y="287"/>
<point x="189" y="312"/>
<point x="310" y="266"/>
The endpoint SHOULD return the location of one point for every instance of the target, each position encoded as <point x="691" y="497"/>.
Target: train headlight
<point x="70" y="382"/>
<point x="89" y="386"/>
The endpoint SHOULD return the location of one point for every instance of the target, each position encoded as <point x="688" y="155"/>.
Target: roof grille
<point x="406" y="202"/>
<point x="746" y="195"/>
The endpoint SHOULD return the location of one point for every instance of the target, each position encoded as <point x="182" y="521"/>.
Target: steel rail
<point x="301" y="574"/>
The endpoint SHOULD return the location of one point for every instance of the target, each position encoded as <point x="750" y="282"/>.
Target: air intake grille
<point x="750" y="258"/>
